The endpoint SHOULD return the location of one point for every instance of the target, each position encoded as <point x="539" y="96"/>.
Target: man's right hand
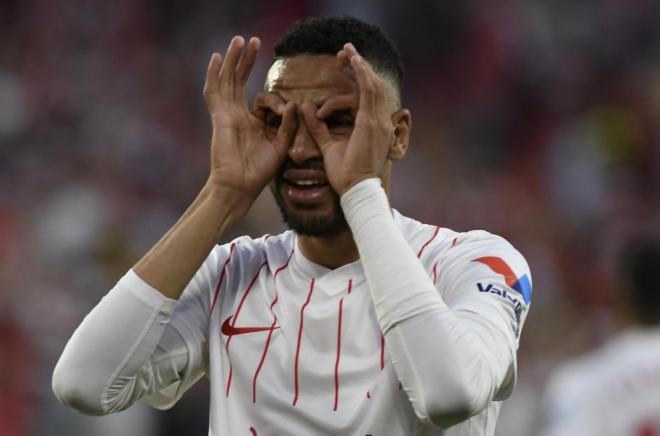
<point x="247" y="147"/>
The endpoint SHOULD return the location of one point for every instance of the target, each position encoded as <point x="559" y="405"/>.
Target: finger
<point x="350" y="49"/>
<point x="368" y="80"/>
<point x="343" y="57"/>
<point x="265" y="101"/>
<point x="366" y="83"/>
<point x="352" y="52"/>
<point x="211" y="82"/>
<point x="338" y="103"/>
<point x="248" y="60"/>
<point x="315" y="126"/>
<point x="228" y="70"/>
<point x="288" y="127"/>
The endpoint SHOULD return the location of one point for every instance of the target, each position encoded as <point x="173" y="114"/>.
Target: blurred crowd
<point x="534" y="120"/>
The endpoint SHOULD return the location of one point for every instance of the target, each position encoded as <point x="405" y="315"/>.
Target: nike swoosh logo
<point x="229" y="330"/>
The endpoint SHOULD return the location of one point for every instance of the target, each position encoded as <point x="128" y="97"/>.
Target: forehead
<point x="310" y="78"/>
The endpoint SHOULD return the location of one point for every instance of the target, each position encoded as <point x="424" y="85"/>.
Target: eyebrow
<point x="342" y="111"/>
<point x="317" y="102"/>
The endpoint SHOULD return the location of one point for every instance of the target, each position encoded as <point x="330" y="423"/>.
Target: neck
<point x="329" y="251"/>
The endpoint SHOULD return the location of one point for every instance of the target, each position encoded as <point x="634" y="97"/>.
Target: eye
<point x="273" y="121"/>
<point x="340" y="120"/>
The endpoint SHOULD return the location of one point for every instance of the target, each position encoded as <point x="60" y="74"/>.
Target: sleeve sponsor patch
<point x="517" y="305"/>
<point x="521" y="284"/>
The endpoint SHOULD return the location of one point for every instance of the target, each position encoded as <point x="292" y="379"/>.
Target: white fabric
<point x="430" y="344"/>
<point x="346" y="383"/>
<point x="611" y="391"/>
<point x="400" y="288"/>
<point x="114" y="346"/>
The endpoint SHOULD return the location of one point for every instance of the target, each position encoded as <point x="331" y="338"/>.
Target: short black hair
<point x="327" y="35"/>
<point x="640" y="263"/>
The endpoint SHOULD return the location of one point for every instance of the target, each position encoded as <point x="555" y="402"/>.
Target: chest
<point x="293" y="354"/>
<point x="302" y="335"/>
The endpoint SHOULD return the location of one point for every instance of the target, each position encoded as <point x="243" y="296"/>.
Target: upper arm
<point x="484" y="279"/>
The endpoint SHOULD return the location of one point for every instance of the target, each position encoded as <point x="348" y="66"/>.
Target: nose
<point x="304" y="146"/>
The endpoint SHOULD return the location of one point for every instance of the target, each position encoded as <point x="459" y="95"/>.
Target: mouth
<point x="306" y="187"/>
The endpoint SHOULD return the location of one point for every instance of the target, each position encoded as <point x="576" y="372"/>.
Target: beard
<point x="309" y="220"/>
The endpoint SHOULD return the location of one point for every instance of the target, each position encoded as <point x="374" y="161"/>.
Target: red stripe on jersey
<point x="263" y="356"/>
<point x="341" y="305"/>
<point x="270" y="333"/>
<point x="454" y="242"/>
<point x="222" y="276"/>
<point x="300" y="329"/>
<point x="435" y="272"/>
<point x="382" y="352"/>
<point x="235" y="317"/>
<point x="421" y="250"/>
<point x="283" y="267"/>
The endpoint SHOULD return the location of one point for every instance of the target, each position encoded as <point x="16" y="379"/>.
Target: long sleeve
<point x="112" y="359"/>
<point x="138" y="344"/>
<point x="455" y="352"/>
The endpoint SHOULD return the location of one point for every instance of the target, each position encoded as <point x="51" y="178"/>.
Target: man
<point x="615" y="390"/>
<point x="356" y="321"/>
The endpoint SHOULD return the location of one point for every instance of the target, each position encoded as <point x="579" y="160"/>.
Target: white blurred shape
<point x="70" y="222"/>
<point x="14" y="113"/>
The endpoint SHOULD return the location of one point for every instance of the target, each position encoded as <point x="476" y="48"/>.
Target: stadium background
<point x="535" y="120"/>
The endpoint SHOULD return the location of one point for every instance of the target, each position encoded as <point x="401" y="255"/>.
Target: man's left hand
<point x="364" y="154"/>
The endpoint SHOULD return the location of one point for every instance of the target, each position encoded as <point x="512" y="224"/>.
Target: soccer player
<point x="357" y="320"/>
<point x="615" y="389"/>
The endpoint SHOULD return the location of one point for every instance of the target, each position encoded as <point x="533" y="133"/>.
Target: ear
<point x="402" y="122"/>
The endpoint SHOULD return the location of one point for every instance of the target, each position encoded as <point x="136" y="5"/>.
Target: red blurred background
<point x="535" y="120"/>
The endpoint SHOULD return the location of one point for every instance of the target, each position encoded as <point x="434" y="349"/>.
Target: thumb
<point x="316" y="127"/>
<point x="287" y="128"/>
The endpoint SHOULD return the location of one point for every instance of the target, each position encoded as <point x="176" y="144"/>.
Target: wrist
<point x="357" y="179"/>
<point x="361" y="191"/>
<point x="364" y="200"/>
<point x="218" y="190"/>
<point x="227" y="205"/>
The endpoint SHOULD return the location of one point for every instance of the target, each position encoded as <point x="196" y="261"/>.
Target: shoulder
<point x="482" y="253"/>
<point x="476" y="251"/>
<point x="435" y="239"/>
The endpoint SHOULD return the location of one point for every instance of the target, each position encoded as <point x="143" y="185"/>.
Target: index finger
<point x="343" y="102"/>
<point x="211" y="83"/>
<point x="366" y="77"/>
<point x="264" y="101"/>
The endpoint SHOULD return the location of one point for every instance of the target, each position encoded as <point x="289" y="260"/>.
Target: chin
<point x="324" y="219"/>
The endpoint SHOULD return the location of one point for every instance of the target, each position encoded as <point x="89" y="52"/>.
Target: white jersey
<point x="294" y="348"/>
<point x="614" y="390"/>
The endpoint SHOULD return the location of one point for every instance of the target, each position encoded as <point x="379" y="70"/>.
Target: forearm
<point x="106" y="366"/>
<point x="109" y="361"/>
<point x="173" y="261"/>
<point x="447" y="369"/>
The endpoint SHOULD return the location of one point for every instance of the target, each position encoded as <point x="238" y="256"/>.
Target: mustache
<point x="309" y="164"/>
